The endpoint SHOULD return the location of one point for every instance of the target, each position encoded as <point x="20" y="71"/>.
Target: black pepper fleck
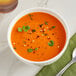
<point x="52" y="33"/>
<point x="41" y="25"/>
<point x="37" y="36"/>
<point x="39" y="47"/>
<point x="33" y="51"/>
<point x="28" y="39"/>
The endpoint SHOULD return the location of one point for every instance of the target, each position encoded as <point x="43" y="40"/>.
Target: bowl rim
<point x="38" y="62"/>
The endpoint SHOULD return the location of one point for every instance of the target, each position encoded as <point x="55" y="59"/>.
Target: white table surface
<point x="9" y="65"/>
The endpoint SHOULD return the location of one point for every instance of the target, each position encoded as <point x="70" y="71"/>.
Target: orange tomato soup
<point x="38" y="36"/>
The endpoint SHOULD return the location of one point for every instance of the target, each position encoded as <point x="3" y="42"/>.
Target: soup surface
<point x="38" y="36"/>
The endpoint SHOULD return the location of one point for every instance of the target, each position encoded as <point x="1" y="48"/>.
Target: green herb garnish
<point x="30" y="16"/>
<point x="14" y="47"/>
<point x="36" y="48"/>
<point x="53" y="26"/>
<point x="51" y="43"/>
<point x="24" y="41"/>
<point x="29" y="50"/>
<point x="33" y="30"/>
<point x="46" y="23"/>
<point x="19" y="29"/>
<point x="26" y="28"/>
<point x="48" y="30"/>
<point x="44" y="34"/>
<point x="37" y="27"/>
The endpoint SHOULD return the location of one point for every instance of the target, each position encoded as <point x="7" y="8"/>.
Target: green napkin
<point x="53" y="69"/>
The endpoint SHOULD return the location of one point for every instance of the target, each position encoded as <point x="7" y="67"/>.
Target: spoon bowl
<point x="74" y="53"/>
<point x="69" y="64"/>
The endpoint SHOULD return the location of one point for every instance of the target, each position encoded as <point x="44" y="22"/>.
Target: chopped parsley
<point x="30" y="16"/>
<point x="26" y="28"/>
<point x="19" y="29"/>
<point x="46" y="23"/>
<point x="36" y="48"/>
<point x="24" y="41"/>
<point x="29" y="50"/>
<point x="14" y="47"/>
<point x="33" y="30"/>
<point x="51" y="43"/>
<point x="37" y="27"/>
<point x="44" y="34"/>
<point x="53" y="26"/>
<point x="48" y="30"/>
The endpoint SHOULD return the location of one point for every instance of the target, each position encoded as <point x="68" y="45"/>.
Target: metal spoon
<point x="69" y="64"/>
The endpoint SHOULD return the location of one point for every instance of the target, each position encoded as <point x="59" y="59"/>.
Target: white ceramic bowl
<point x="46" y="10"/>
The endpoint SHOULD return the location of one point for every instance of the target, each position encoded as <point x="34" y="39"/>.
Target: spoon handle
<point x="66" y="67"/>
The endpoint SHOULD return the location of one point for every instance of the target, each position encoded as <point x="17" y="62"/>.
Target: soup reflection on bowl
<point x="38" y="36"/>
